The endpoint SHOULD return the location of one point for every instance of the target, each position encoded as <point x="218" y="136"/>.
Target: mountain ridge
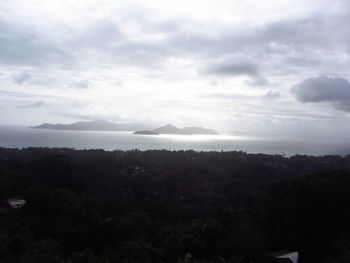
<point x="139" y="128"/>
<point x="171" y="129"/>
<point x="97" y="125"/>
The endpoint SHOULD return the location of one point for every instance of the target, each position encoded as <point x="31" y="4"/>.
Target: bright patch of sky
<point x="244" y="65"/>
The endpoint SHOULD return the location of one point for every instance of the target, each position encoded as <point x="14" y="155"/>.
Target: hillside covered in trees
<point x="172" y="206"/>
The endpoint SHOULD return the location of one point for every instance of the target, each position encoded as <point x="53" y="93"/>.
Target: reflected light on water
<point x="205" y="137"/>
<point x="18" y="137"/>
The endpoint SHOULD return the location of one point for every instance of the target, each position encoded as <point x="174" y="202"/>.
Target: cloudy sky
<point x="262" y="67"/>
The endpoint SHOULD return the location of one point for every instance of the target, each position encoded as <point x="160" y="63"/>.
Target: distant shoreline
<point x="24" y="137"/>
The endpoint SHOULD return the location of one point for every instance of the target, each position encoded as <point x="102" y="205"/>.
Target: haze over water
<point x="20" y="136"/>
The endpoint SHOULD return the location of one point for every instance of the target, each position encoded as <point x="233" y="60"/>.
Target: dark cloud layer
<point x="238" y="65"/>
<point x="335" y="91"/>
<point x="24" y="44"/>
<point x="234" y="67"/>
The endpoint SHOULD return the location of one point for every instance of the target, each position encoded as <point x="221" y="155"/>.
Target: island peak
<point x="171" y="129"/>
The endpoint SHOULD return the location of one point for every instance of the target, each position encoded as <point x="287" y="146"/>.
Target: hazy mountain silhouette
<point x="103" y="125"/>
<point x="171" y="129"/>
<point x="97" y="125"/>
<point x="146" y="132"/>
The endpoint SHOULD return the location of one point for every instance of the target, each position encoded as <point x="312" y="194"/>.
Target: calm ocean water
<point x="19" y="137"/>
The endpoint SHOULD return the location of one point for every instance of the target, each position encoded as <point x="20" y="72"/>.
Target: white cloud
<point x="166" y="54"/>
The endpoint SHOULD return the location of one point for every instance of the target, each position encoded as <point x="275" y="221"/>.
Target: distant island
<point x="171" y="129"/>
<point x="97" y="125"/>
<point x="103" y="125"/>
<point x="146" y="132"/>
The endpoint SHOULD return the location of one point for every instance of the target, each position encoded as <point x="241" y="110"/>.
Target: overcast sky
<point x="265" y="67"/>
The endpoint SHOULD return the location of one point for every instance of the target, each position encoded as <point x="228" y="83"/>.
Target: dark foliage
<point x="159" y="206"/>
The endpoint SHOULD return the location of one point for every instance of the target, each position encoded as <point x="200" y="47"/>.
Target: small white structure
<point x="285" y="256"/>
<point x="15" y="203"/>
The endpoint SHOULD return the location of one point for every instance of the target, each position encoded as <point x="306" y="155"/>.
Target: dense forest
<point x="94" y="206"/>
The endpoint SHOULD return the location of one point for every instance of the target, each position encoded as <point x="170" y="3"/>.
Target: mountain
<point x="97" y="125"/>
<point x="171" y="129"/>
<point x="103" y="125"/>
<point x="146" y="132"/>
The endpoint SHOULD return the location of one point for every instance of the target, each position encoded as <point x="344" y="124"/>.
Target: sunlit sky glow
<point x="258" y="67"/>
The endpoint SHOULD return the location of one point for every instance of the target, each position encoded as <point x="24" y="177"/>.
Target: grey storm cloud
<point x="235" y="66"/>
<point x="333" y="90"/>
<point x="238" y="65"/>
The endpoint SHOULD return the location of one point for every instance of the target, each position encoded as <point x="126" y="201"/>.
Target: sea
<point x="23" y="137"/>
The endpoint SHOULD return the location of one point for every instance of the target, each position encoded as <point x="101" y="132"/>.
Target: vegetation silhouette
<point x="172" y="206"/>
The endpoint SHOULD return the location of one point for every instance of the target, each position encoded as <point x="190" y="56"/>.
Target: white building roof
<point x="293" y="256"/>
